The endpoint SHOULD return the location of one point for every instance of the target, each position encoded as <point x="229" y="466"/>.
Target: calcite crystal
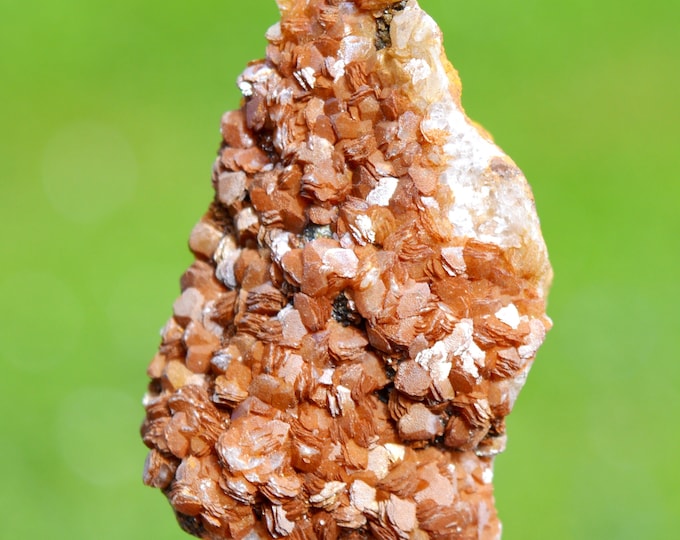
<point x="367" y="298"/>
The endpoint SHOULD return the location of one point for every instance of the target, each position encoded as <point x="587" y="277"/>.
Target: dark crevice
<point x="313" y="231"/>
<point x="384" y="393"/>
<point x="191" y="524"/>
<point x="344" y="312"/>
<point x="265" y="141"/>
<point x="383" y="22"/>
<point x="155" y="387"/>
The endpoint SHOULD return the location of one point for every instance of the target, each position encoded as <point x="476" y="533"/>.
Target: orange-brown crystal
<point x="344" y="352"/>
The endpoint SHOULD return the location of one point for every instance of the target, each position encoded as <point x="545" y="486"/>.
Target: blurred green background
<point x="110" y="114"/>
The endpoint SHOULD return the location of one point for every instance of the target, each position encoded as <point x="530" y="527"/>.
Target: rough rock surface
<point x="367" y="298"/>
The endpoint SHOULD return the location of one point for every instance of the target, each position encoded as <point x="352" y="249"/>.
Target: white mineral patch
<point x="327" y="376"/>
<point x="292" y="328"/>
<point x="418" y="69"/>
<point x="225" y="256"/>
<point x="509" y="315"/>
<point x="397" y="452"/>
<point x="329" y="492"/>
<point x="342" y="262"/>
<point x="435" y="360"/>
<point x="333" y="405"/>
<point x="279" y="243"/>
<point x="246" y="88"/>
<point x="534" y="341"/>
<point x="283" y="96"/>
<point x="430" y="202"/>
<point x="379" y="461"/>
<point x="454" y="261"/>
<point x="345" y="401"/>
<point x="307" y="451"/>
<point x="514" y="386"/>
<point x="463" y="346"/>
<point x="222" y="360"/>
<point x="346" y="241"/>
<point x="322" y="149"/>
<point x="335" y="453"/>
<point x="274" y="32"/>
<point x="439" y="488"/>
<point x="488" y="206"/>
<point x="363" y="497"/>
<point x="291" y="368"/>
<point x="306" y="77"/>
<point x="469" y="366"/>
<point x="356" y="48"/>
<point x="246" y="218"/>
<point x="336" y="68"/>
<point x="258" y="74"/>
<point x="382" y="193"/>
<point x="283" y="525"/>
<point x="371" y="277"/>
<point x="363" y="229"/>
<point x="281" y="315"/>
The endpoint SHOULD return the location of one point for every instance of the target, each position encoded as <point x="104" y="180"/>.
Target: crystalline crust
<point x="367" y="298"/>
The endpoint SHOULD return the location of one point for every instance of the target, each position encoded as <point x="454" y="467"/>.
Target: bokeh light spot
<point x="96" y="432"/>
<point x="139" y="304"/>
<point x="41" y="321"/>
<point x="89" y="171"/>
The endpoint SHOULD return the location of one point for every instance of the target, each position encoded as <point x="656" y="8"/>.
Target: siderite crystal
<point x="367" y="298"/>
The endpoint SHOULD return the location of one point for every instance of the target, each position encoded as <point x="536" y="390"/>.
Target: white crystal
<point x="509" y="315"/>
<point x="382" y="193"/>
<point x="488" y="206"/>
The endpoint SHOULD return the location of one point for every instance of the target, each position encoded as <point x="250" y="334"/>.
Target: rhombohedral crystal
<point x="367" y="298"/>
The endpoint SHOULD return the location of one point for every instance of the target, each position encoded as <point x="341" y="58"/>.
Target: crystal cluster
<point x="367" y="297"/>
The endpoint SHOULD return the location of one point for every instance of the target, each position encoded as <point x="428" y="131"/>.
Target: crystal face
<point x="367" y="298"/>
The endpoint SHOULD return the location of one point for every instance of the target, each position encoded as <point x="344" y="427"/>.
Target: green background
<point x="109" y="117"/>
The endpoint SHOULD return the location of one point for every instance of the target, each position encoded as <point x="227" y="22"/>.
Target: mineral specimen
<point x="367" y="298"/>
